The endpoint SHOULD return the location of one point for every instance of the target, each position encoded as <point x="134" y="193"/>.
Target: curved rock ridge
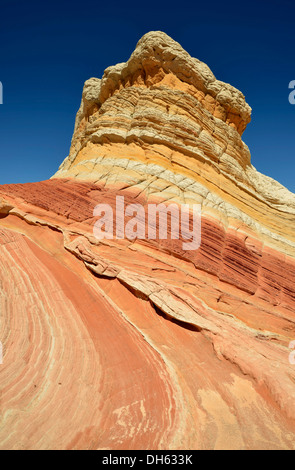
<point x="139" y="344"/>
<point x="163" y="123"/>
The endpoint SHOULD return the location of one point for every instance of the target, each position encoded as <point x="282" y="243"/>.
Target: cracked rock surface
<point x="139" y="344"/>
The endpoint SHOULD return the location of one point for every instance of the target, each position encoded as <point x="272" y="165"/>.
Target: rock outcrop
<point x="139" y="344"/>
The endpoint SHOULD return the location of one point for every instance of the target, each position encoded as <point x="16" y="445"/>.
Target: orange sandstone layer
<point x="139" y="344"/>
<point x="120" y="344"/>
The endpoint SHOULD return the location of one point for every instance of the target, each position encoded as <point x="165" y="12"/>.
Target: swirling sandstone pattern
<point x="119" y="344"/>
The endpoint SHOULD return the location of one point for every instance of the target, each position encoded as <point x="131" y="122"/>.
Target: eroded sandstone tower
<point x="140" y="345"/>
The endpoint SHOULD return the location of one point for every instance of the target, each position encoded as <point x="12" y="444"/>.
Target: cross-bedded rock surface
<point x="119" y="344"/>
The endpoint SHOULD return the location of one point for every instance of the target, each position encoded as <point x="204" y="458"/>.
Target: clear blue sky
<point x="48" y="50"/>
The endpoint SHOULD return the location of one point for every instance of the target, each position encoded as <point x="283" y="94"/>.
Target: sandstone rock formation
<point x="139" y="344"/>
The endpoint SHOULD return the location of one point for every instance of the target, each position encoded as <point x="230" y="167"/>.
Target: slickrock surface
<point x="119" y="344"/>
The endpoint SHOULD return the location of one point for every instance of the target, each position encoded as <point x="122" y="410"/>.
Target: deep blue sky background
<point x="48" y="50"/>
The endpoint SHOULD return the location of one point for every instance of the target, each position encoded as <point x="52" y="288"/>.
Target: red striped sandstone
<point x="141" y="345"/>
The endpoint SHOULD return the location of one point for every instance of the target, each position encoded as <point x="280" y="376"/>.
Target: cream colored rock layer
<point x="163" y="123"/>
